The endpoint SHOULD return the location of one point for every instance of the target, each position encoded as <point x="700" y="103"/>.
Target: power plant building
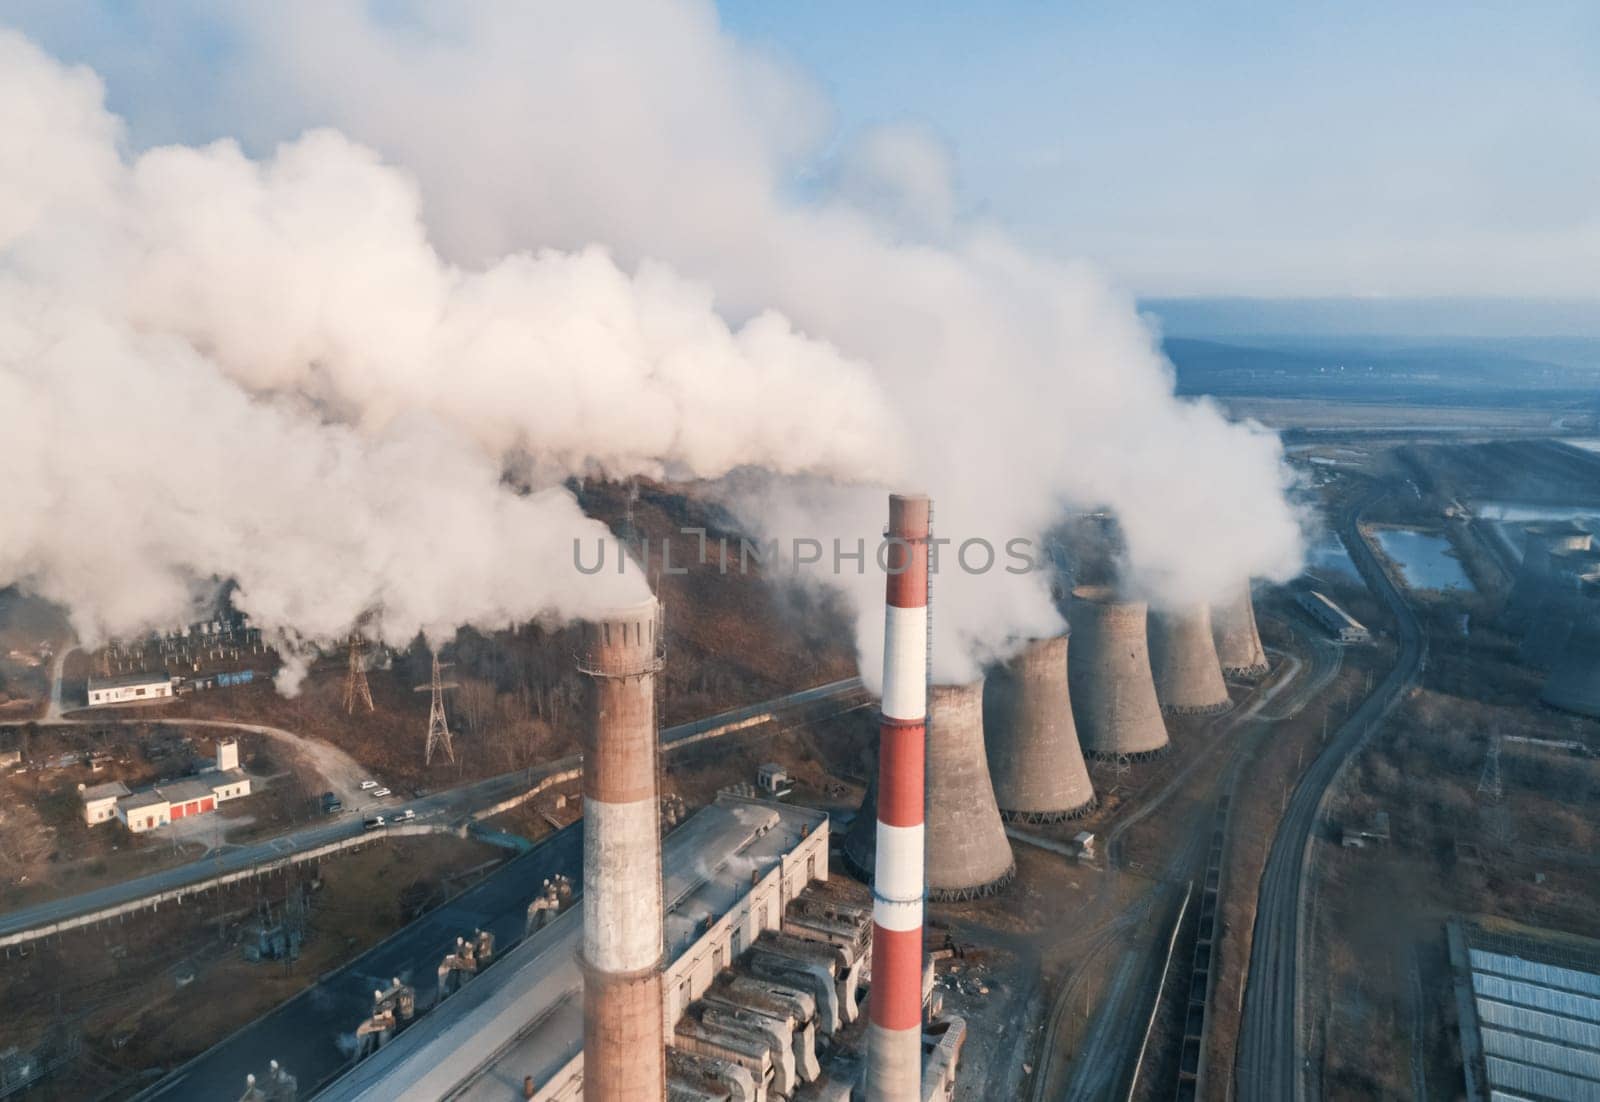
<point x="1108" y="673"/>
<point x="1035" y="760"/>
<point x="731" y="873"/>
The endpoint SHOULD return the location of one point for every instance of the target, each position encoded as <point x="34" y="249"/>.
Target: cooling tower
<point x="1183" y="660"/>
<point x="1540" y="542"/>
<point x="1034" y="756"/>
<point x="1574" y="683"/>
<point x="968" y="854"/>
<point x="624" y="1055"/>
<point x="1233" y="630"/>
<point x="1559" y="606"/>
<point x="1108" y="673"/>
<point x="894" y="1026"/>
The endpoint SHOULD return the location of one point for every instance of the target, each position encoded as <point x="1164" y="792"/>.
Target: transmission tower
<point x="438" y="728"/>
<point x="356" y="690"/>
<point x="1490" y="785"/>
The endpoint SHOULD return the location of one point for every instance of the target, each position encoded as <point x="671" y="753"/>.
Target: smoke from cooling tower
<point x="1006" y="384"/>
<point x="1022" y="384"/>
<point x="218" y="367"/>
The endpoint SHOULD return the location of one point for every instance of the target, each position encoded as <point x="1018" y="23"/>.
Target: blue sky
<point x="1353" y="148"/>
<point x="1365" y="150"/>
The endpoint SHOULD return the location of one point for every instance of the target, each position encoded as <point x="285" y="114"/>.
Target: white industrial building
<point x="166" y="803"/>
<point x="128" y="688"/>
<point x="100" y="801"/>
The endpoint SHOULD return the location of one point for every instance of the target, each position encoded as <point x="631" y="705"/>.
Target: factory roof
<point x="126" y="680"/>
<point x="191" y="788"/>
<point x="109" y="790"/>
<point x="524" y="1015"/>
<point x="142" y="799"/>
<point x="1537" y="1022"/>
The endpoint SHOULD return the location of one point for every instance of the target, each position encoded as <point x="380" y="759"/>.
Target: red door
<point x="192" y="809"/>
<point x="177" y="812"/>
<point x="207" y="804"/>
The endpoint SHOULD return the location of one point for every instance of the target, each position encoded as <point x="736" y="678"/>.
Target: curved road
<point x="451" y="803"/>
<point x="1270" y="1063"/>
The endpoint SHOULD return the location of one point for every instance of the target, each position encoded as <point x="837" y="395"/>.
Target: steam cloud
<point x="1007" y="384"/>
<point x="212" y="367"/>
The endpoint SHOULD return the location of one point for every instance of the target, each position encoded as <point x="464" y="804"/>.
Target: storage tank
<point x="1233" y="630"/>
<point x="968" y="853"/>
<point x="1108" y="676"/>
<point x="1183" y="661"/>
<point x="1034" y="757"/>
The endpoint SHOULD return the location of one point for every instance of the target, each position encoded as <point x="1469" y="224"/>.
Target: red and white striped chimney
<point x="894" y="1032"/>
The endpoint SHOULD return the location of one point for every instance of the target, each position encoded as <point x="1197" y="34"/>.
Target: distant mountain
<point x="1379" y="368"/>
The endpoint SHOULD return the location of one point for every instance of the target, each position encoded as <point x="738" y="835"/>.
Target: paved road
<point x="1270" y="1060"/>
<point x="312" y="1034"/>
<point x="449" y="805"/>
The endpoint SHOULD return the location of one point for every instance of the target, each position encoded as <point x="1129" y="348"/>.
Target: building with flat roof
<point x="144" y="811"/>
<point x="764" y="955"/>
<point x="128" y="688"/>
<point x="1528" y="1004"/>
<point x="100" y="801"/>
<point x="1339" y="623"/>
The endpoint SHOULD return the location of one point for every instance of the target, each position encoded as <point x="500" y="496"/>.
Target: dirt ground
<point x="1381" y="1013"/>
<point x="47" y="850"/>
<point x="165" y="985"/>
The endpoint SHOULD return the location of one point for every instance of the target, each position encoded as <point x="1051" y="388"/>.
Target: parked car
<point x="365" y="785"/>
<point x="407" y="814"/>
<point x="380" y="793"/>
<point x="373" y="823"/>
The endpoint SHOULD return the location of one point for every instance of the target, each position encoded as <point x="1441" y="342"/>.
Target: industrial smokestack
<point x="1183" y="660"/>
<point x="1034" y="757"/>
<point x="968" y="854"/>
<point x="1233" y="630"/>
<point x="1108" y="673"/>
<point x="894" y="1030"/>
<point x="624" y="1056"/>
<point x="1574" y="683"/>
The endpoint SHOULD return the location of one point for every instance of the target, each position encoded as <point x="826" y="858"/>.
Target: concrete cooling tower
<point x="1574" y="683"/>
<point x="1183" y="660"/>
<point x="1540" y="542"/>
<point x="1559" y="606"/>
<point x="968" y="853"/>
<point x="1233" y="630"/>
<point x="1034" y="756"/>
<point x="1108" y="674"/>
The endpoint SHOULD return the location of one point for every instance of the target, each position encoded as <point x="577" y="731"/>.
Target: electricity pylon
<point x="438" y="728"/>
<point x="356" y="690"/>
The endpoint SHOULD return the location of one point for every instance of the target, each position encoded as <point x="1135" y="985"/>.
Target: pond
<point x="1426" y="560"/>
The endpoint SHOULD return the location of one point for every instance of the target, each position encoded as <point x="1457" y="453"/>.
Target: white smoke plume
<point x="1018" y="383"/>
<point x="212" y="367"/>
